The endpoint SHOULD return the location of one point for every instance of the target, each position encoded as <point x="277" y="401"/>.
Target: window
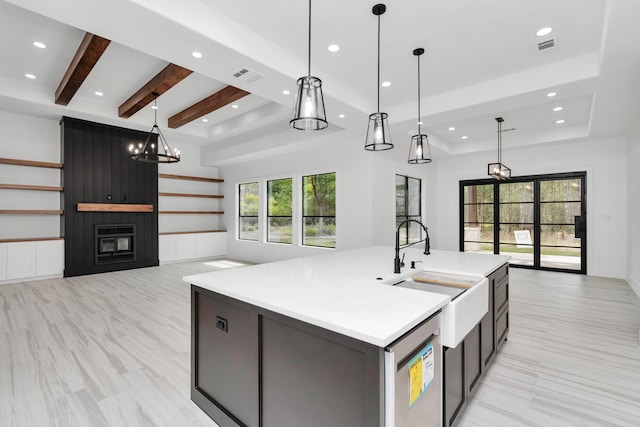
<point x="248" y="211"/>
<point x="279" y="216"/>
<point x="319" y="210"/>
<point x="408" y="206"/>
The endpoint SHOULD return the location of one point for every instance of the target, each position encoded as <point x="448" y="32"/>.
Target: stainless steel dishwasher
<point x="413" y="377"/>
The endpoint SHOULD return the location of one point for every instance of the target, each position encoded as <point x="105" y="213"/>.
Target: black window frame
<point x="304" y="217"/>
<point x="268" y="210"/>
<point x="241" y="216"/>
<point x="401" y="218"/>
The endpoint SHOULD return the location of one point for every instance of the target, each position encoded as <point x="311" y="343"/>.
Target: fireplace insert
<point x="115" y="243"/>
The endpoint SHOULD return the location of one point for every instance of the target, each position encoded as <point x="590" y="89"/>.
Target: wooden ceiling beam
<point x="89" y="52"/>
<point x="170" y="76"/>
<point x="218" y="100"/>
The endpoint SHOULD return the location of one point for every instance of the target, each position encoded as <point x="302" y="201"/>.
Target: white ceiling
<point x="481" y="61"/>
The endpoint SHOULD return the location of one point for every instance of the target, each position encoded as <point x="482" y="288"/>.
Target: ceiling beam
<point x="89" y="52"/>
<point x="218" y="100"/>
<point x="170" y="76"/>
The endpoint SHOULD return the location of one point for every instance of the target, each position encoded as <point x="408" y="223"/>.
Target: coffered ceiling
<point x="482" y="61"/>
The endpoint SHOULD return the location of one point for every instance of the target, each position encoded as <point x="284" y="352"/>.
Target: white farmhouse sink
<point x="467" y="306"/>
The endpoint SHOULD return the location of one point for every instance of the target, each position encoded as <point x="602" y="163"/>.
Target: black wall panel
<point x="97" y="169"/>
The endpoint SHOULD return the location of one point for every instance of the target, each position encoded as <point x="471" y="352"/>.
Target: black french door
<point x="540" y="221"/>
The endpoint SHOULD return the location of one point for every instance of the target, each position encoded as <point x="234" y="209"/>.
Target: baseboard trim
<point x="30" y="279"/>
<point x="634" y="283"/>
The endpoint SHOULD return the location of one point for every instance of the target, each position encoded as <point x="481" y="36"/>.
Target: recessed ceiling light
<point x="30" y="76"/>
<point x="558" y="109"/>
<point x="205" y="120"/>
<point x="341" y="116"/>
<point x="420" y="123"/>
<point x="98" y="93"/>
<point x="464" y="137"/>
<point x="234" y="106"/>
<point x="196" y="55"/>
<point x="286" y="92"/>
<point x="386" y="84"/>
<point x="551" y="94"/>
<point x="154" y="107"/>
<point x="452" y="128"/>
<point x="40" y="45"/>
<point x="543" y="31"/>
<point x="333" y="48"/>
<point x="560" y="121"/>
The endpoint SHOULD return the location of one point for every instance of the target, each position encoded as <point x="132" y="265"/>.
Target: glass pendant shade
<point x="378" y="136"/>
<point x="499" y="170"/>
<point x="419" y="152"/>
<point x="155" y="148"/>
<point x="308" y="112"/>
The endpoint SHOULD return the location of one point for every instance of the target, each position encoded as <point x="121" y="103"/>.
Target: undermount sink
<point x="469" y="301"/>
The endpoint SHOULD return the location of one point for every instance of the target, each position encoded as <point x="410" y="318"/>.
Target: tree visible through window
<point x="408" y="206"/>
<point x="279" y="213"/>
<point x="248" y="211"/>
<point x="319" y="210"/>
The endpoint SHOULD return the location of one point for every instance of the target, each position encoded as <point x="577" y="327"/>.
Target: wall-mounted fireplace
<point x="115" y="243"/>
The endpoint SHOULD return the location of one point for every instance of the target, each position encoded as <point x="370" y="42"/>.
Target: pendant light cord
<point x="378" y="63"/>
<point x="419" y="116"/>
<point x="155" y="110"/>
<point x="309" y="64"/>
<point x="500" y="143"/>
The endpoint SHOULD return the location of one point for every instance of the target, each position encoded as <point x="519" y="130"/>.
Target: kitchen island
<point x="307" y="341"/>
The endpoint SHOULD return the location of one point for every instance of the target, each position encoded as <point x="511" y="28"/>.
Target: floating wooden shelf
<point x="189" y="178"/>
<point x="113" y="207"/>
<point x="29" y="187"/>
<point x="30" y="212"/>
<point x="206" y="196"/>
<point x="30" y="163"/>
<point x="168" y="233"/>
<point x="191" y="212"/>
<point x="30" y="239"/>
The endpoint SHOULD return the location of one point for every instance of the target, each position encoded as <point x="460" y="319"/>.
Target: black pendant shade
<point x="155" y="148"/>
<point x="378" y="135"/>
<point x="419" y="151"/>
<point x="308" y="111"/>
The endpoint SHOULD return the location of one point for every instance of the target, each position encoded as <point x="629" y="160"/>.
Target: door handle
<point x="579" y="224"/>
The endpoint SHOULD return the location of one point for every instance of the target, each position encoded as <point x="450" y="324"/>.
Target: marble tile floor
<point x="113" y="350"/>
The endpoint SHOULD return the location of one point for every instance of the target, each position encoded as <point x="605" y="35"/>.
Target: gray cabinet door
<point x="225" y="363"/>
<point x="312" y="378"/>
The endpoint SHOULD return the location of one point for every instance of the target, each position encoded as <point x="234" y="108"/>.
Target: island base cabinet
<point x="454" y="383"/>
<point x="252" y="367"/>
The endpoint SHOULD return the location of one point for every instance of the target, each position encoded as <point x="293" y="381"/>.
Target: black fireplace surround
<point x="97" y="169"/>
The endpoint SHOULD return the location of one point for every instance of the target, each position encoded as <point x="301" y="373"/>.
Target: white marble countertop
<point x="347" y="291"/>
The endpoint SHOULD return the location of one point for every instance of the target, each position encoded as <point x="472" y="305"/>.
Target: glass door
<point x="539" y="221"/>
<point x="562" y="224"/>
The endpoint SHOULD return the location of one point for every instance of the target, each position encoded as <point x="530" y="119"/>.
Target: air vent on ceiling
<point x="546" y="45"/>
<point x="248" y="75"/>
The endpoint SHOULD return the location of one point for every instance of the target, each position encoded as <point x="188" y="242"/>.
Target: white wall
<point x="633" y="180"/>
<point x="604" y="161"/>
<point x="29" y="138"/>
<point x="341" y="153"/>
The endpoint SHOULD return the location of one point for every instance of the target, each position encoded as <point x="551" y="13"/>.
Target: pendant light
<point x="308" y="111"/>
<point x="499" y="170"/>
<point x="378" y="136"/>
<point x="419" y="151"/>
<point x="150" y="152"/>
